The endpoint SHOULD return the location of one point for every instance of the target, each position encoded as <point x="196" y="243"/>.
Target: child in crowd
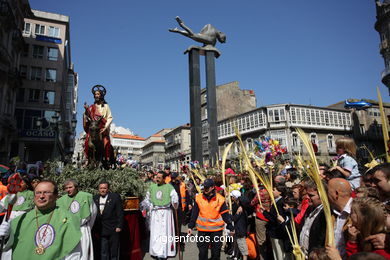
<point x="240" y="223"/>
<point x="346" y="163"/>
<point x="368" y="217"/>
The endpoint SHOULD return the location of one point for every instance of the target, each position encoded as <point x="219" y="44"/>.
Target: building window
<point x="331" y="143"/>
<point x="23" y="71"/>
<point x="19" y="118"/>
<point x="313" y="138"/>
<point x="374" y="112"/>
<point x="33" y="95"/>
<point x="26" y="48"/>
<point x="48" y="97"/>
<point x="27" y="28"/>
<point x="38" y="51"/>
<point x="314" y="141"/>
<point x="52" y="54"/>
<point x="249" y="144"/>
<point x="53" y="32"/>
<point x="237" y="147"/>
<point x="30" y="118"/>
<point x="51" y="75"/>
<point x="362" y="129"/>
<point x="294" y="140"/>
<point x="20" y="95"/>
<point x="36" y="73"/>
<point x="39" y="29"/>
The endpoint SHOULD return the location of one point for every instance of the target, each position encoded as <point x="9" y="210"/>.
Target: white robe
<point x="86" y="235"/>
<point x="162" y="228"/>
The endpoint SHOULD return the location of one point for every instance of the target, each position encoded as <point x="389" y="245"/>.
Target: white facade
<point x="323" y="126"/>
<point x="128" y="145"/>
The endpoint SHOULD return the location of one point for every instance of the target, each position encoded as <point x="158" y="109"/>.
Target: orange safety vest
<point x="183" y="195"/>
<point x="168" y="179"/>
<point x="209" y="218"/>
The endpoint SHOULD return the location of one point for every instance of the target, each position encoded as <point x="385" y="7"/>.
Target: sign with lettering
<point x="39" y="133"/>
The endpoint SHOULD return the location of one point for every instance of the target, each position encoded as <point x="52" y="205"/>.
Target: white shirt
<point x="102" y="203"/>
<point x="305" y="232"/>
<point x="338" y="227"/>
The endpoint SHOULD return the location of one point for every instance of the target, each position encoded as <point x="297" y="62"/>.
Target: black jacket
<point x="240" y="222"/>
<point x="274" y="228"/>
<point x="317" y="230"/>
<point x="112" y="216"/>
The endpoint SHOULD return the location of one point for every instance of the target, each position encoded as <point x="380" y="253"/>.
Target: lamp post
<point x="55" y="124"/>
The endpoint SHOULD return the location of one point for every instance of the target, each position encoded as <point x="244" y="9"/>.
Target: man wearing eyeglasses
<point x="81" y="205"/>
<point x="46" y="232"/>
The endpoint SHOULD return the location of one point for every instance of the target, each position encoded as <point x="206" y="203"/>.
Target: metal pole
<point x="55" y="143"/>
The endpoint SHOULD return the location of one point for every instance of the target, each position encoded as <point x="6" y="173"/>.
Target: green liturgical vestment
<point x="160" y="195"/>
<point x="58" y="233"/>
<point x="24" y="201"/>
<point x="79" y="205"/>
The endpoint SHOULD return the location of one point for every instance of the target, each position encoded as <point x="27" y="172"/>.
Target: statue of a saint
<point x="99" y="115"/>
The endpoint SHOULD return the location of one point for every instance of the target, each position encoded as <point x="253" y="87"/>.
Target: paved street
<point x="190" y="253"/>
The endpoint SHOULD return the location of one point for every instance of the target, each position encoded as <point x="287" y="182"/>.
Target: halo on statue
<point x="99" y="88"/>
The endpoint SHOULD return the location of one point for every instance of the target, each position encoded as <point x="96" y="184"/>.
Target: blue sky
<point x="301" y="52"/>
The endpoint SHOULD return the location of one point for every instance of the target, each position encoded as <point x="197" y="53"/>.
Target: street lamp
<point x="73" y="123"/>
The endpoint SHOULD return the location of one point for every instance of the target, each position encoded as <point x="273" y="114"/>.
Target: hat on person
<point x="174" y="175"/>
<point x="167" y="167"/>
<point x="235" y="194"/>
<point x="208" y="183"/>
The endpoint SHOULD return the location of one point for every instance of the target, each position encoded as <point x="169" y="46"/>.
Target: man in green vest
<point x="81" y="205"/>
<point x="47" y="232"/>
<point x="159" y="199"/>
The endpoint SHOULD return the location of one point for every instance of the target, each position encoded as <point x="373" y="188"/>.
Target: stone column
<point x="211" y="107"/>
<point x="195" y="106"/>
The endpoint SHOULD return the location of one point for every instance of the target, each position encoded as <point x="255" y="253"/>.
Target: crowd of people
<point x="359" y="202"/>
<point x="39" y="224"/>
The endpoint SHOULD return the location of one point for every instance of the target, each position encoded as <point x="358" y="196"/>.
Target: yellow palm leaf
<point x="314" y="174"/>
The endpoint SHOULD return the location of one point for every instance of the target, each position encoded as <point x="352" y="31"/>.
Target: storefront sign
<point x="39" y="133"/>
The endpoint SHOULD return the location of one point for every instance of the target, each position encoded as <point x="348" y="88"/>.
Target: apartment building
<point x="46" y="102"/>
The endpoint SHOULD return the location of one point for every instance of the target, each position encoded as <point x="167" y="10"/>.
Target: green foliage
<point x="126" y="182"/>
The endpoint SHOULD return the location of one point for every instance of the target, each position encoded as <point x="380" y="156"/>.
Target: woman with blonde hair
<point x="346" y="163"/>
<point x="368" y="217"/>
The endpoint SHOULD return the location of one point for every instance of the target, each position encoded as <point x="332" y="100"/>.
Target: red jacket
<point x="304" y="206"/>
<point x="353" y="248"/>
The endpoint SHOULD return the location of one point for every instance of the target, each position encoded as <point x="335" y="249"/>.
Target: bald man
<point x="339" y="195"/>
